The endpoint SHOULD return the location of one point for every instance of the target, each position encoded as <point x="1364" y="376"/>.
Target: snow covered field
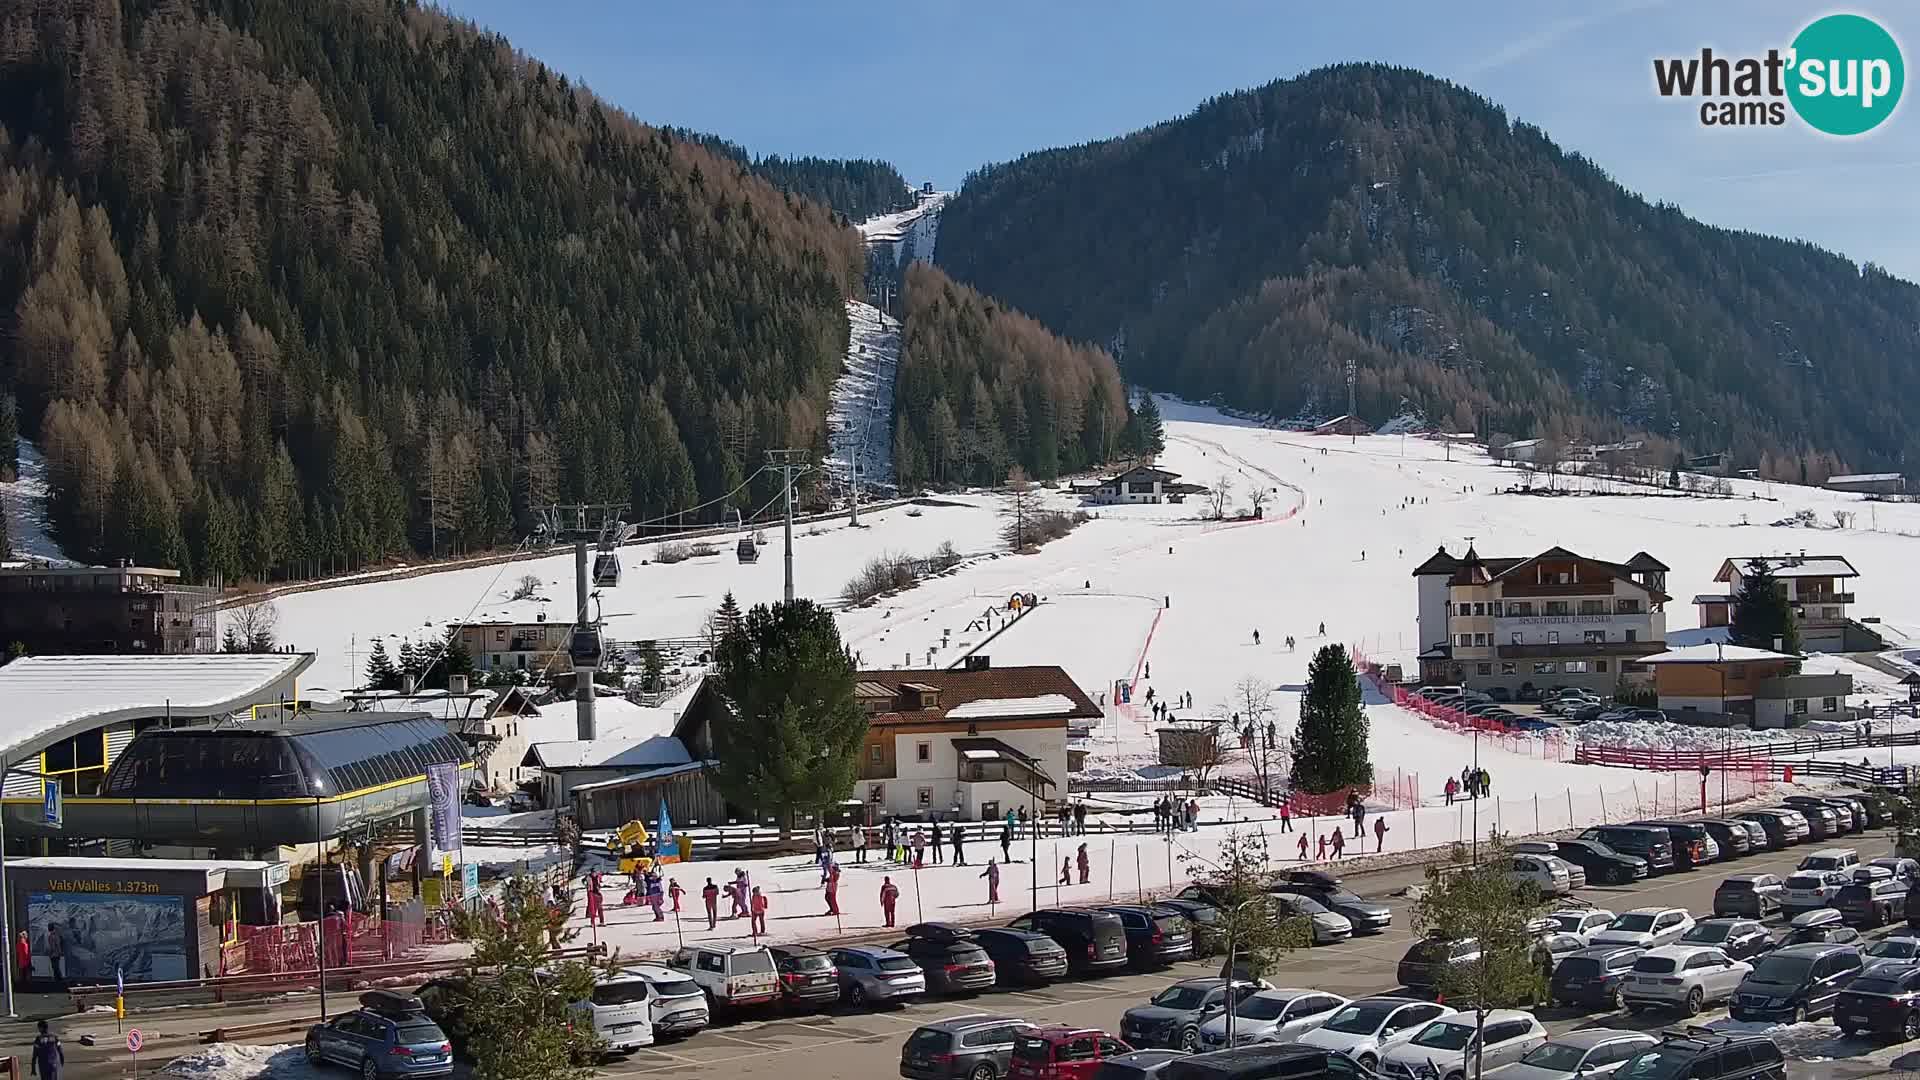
<point x="860" y="417"/>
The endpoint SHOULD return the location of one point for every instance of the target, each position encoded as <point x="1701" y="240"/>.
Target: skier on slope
<point x="1256" y="637"/>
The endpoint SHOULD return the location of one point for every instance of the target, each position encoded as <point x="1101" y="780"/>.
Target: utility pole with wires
<point x="790" y="463"/>
<point x="1353" y="430"/>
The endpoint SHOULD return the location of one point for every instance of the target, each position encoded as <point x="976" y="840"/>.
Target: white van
<point x="679" y="1007"/>
<point x="622" y="1011"/>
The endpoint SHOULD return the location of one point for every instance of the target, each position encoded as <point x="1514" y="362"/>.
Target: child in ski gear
<point x="889" y="896"/>
<point x="759" y="912"/>
<point x="992" y="874"/>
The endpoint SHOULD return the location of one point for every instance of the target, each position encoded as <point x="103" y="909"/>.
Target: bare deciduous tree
<point x="527" y="587"/>
<point x="250" y="628"/>
<point x="1252" y="702"/>
<point x="1198" y="747"/>
<point x="1219" y="496"/>
<point x="1021" y="501"/>
<point x="1257" y="498"/>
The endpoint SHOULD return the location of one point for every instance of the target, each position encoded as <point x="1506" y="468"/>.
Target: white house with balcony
<point x="1140" y="484"/>
<point x="1548" y="620"/>
<point x="966" y="745"/>
<point x="1819" y="587"/>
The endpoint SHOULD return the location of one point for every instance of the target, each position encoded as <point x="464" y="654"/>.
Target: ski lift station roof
<point x="50" y="698"/>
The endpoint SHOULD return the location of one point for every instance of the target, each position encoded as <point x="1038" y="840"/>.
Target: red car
<point x="1062" y="1053"/>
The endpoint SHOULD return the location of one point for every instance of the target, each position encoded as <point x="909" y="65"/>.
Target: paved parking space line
<point x="662" y="1053"/>
<point x="736" y="1038"/>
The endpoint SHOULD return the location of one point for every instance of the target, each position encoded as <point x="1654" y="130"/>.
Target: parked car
<point x="1582" y="922"/>
<point x="1682" y="977"/>
<point x="1872" y="904"/>
<point x="1796" y="982"/>
<point x="1893" y="948"/>
<point x="1025" y="957"/>
<point x="1693" y="846"/>
<point x="1582" y="714"/>
<point x="961" y="1048"/>
<point x="731" y="974"/>
<point x="1448" y="1043"/>
<point x="677" y="1003"/>
<point x="1883" y="1000"/>
<point x="1823" y="822"/>
<point x="1646" y="927"/>
<point x="617" y="1011"/>
<point x="1328" y="927"/>
<point x="1784" y="828"/>
<point x="869" y="973"/>
<point x="1842" y="859"/>
<point x="1602" y="864"/>
<point x="1588" y="1052"/>
<point x="1822" y="926"/>
<point x="1753" y="895"/>
<point x="1732" y="839"/>
<point x="1271" y="1016"/>
<point x="392" y="1037"/>
<point x="1593" y="975"/>
<point x="1757" y="838"/>
<point x="1258" y="1062"/>
<point x="1545" y="873"/>
<point x="1901" y="869"/>
<point x="1367" y="916"/>
<point x="1095" y="941"/>
<point x="1059" y="1052"/>
<point x="1708" y="1055"/>
<point x="1365" y="1028"/>
<point x="1653" y="845"/>
<point x="1810" y="890"/>
<point x="1851" y="816"/>
<point x="1155" y="937"/>
<point x="1139" y="1065"/>
<point x="807" y="975"/>
<point x="1419" y="966"/>
<point x="1173" y="1018"/>
<point x="949" y="956"/>
<point x="1205" y="919"/>
<point x="1740" y="939"/>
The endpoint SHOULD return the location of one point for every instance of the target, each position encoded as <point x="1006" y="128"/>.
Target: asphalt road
<point x="846" y="1045"/>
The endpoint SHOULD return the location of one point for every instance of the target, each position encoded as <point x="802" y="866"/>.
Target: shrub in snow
<point x="673" y="551"/>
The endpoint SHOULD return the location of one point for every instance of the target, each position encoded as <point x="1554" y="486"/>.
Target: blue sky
<point x="941" y="89"/>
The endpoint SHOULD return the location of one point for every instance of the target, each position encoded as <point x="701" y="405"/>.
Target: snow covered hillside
<point x="1158" y="597"/>
<point x="24" y="502"/>
<point x="908" y="234"/>
<point x="860" y="417"/>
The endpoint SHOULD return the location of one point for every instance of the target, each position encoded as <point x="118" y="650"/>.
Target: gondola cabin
<point x="747" y="550"/>
<point x="606" y="569"/>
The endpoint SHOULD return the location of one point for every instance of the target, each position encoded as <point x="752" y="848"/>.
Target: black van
<point x="1652" y="844"/>
<point x="1267" y="1061"/>
<point x="1693" y="845"/>
<point x="1798" y="982"/>
<point x="1094" y="940"/>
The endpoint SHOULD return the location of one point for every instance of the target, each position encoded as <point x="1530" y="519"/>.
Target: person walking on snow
<point x="1066" y="871"/>
<point x="833" y="888"/>
<point x="992" y="874"/>
<point x="859" y="843"/>
<point x="889" y="896"/>
<point x="1323" y="629"/>
<point x="936" y="844"/>
<point x="674" y="893"/>
<point x="759" y="923"/>
<point x="1303" y="847"/>
<point x="919" y="849"/>
<point x="710" y="895"/>
<point x="1339" y="842"/>
<point x="1006" y="844"/>
<point x="1379" y="834"/>
<point x="1320" y="848"/>
<point x="742" y="893"/>
<point x="1286" y="819"/>
<point x="1359" y="816"/>
<point x="594" y="902"/>
<point x="1080" y="818"/>
<point x="1448" y="790"/>
<point x="1256" y="637"/>
<point x="1086" y="869"/>
<point x="959" y="845"/>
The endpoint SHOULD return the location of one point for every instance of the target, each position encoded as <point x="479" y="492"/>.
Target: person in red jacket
<point x="23" y="956"/>
<point x="759" y="910"/>
<point x="889" y="896"/>
<point x="833" y="888"/>
<point x="710" y="893"/>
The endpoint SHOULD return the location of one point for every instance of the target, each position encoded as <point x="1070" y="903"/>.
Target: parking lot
<point x="843" y="1044"/>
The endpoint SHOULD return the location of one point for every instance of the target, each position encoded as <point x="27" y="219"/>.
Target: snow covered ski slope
<point x="860" y="416"/>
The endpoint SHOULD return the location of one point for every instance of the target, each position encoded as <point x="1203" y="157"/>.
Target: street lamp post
<point x="320" y="924"/>
<point x="1228" y="989"/>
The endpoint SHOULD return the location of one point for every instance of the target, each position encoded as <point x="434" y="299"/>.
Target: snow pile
<point x="1042" y="705"/>
<point x="24" y="502"/>
<point x="245" y="1061"/>
<point x="1664" y="735"/>
<point x="860" y="412"/>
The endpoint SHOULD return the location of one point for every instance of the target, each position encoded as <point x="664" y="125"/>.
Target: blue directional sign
<point x="53" y="808"/>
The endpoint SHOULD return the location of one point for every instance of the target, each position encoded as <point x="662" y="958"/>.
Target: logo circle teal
<point x="1846" y="76"/>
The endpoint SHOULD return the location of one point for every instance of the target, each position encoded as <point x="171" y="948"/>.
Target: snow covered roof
<point x="1714" y="654"/>
<point x="1865" y="478"/>
<point x="994" y="708"/>
<point x="643" y="774"/>
<point x="608" y="753"/>
<point x="1790" y="566"/>
<point x="49" y="697"/>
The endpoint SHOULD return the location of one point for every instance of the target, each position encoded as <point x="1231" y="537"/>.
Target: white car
<point x="1646" y="927"/>
<point x="1582" y="923"/>
<point x="1365" y="1028"/>
<point x="1683" y="977"/>
<point x="1811" y="890"/>
<point x="1583" y="1053"/>
<point x="1447" y="1044"/>
<point x="1543" y="872"/>
<point x="679" y="1006"/>
<point x="1329" y="926"/>
<point x="1271" y="1016"/>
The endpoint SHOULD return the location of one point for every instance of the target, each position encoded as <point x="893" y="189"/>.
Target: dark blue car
<point x="391" y="1037"/>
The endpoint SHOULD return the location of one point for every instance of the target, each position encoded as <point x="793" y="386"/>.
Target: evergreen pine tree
<point x="789" y="737"/>
<point x="449" y="659"/>
<point x="1151" y="433"/>
<point x="652" y="669"/>
<point x="9" y="442"/>
<point x="1762" y="617"/>
<point x="1330" y="741"/>
<point x="381" y="674"/>
<point x="412" y="663"/>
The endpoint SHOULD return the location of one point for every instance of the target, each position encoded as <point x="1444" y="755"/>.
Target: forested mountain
<point x="289" y="285"/>
<point x="1469" y="268"/>
<point x="854" y="188"/>
<point x="982" y="388"/>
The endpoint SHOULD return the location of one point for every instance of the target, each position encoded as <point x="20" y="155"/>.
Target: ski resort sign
<point x="1842" y="75"/>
